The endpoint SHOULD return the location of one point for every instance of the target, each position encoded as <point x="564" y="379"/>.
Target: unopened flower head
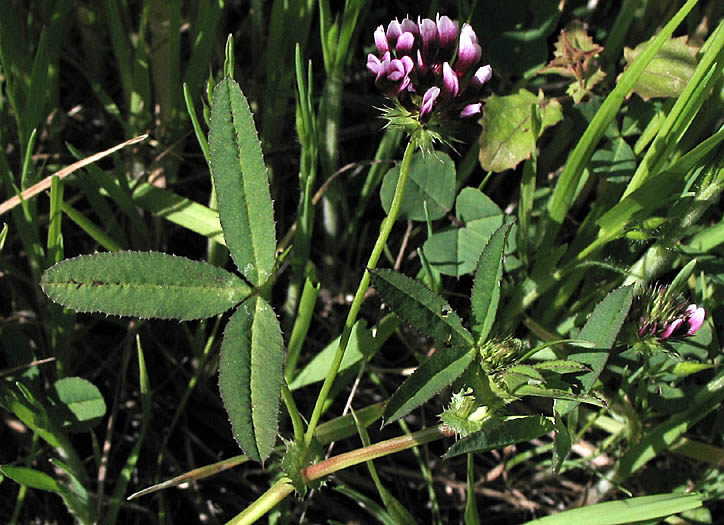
<point x="430" y="69"/>
<point x="667" y="316"/>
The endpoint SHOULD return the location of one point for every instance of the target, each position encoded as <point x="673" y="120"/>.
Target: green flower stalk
<point x="417" y="71"/>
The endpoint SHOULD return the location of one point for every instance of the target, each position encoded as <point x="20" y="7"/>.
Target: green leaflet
<point x="143" y="284"/>
<point x="486" y="286"/>
<point x="431" y="182"/>
<point x="242" y="186"/>
<point x="431" y="376"/>
<point x="513" y="430"/>
<point x="601" y="328"/>
<point x="80" y="403"/>
<point x="456" y="251"/>
<point x="250" y="376"/>
<point x="421" y="307"/>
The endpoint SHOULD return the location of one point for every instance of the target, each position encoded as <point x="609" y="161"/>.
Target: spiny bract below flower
<point x="666" y="316"/>
<point x="431" y="71"/>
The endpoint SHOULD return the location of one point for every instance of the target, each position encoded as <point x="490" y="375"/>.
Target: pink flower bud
<point x="381" y="40"/>
<point x="469" y="51"/>
<point x="430" y="40"/>
<point x="696" y="318"/>
<point x="393" y="32"/>
<point x="450" y="82"/>
<point x="448" y="32"/>
<point x="670" y="329"/>
<point x="405" y="44"/>
<point x="408" y="26"/>
<point x="428" y="101"/>
<point x="471" y="110"/>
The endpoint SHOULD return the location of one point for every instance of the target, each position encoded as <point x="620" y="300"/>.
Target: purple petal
<point x="428" y="101"/>
<point x="448" y="31"/>
<point x="697" y="314"/>
<point x="471" y="110"/>
<point x="430" y="40"/>
<point x="393" y="32"/>
<point x="381" y="40"/>
<point x="671" y="328"/>
<point x="469" y="52"/>
<point x="469" y="32"/>
<point x="405" y="44"/>
<point x="450" y="82"/>
<point x="373" y="64"/>
<point x="421" y="66"/>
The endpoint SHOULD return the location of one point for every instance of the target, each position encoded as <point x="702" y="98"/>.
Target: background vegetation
<point x="611" y="180"/>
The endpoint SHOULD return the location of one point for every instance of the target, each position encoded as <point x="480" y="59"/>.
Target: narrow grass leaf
<point x="625" y="511"/>
<point x="362" y="345"/>
<point x="602" y="329"/>
<point x="431" y="377"/>
<point x="250" y="376"/>
<point x="511" y="431"/>
<point x="143" y="284"/>
<point x="191" y="215"/>
<point x="242" y="186"/>
<point x="419" y="306"/>
<point x="32" y="478"/>
<point x="486" y="286"/>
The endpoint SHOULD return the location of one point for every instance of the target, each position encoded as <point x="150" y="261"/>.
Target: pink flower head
<point x="664" y="315"/>
<point x="430" y="68"/>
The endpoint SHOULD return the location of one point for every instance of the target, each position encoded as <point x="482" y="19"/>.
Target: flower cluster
<point x="666" y="316"/>
<point x="430" y="68"/>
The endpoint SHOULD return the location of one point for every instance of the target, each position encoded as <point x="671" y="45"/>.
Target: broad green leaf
<point x="250" y="376"/>
<point x="668" y="72"/>
<point x="143" y="284"/>
<point x="242" y="186"/>
<point x="419" y="306"/>
<point x="32" y="478"/>
<point x="512" y="430"/>
<point x="362" y="344"/>
<point x="507" y="136"/>
<point x="625" y="511"/>
<point x="444" y="367"/>
<point x="456" y="251"/>
<point x="431" y="181"/>
<point x="485" y="295"/>
<point x="602" y="329"/>
<point x="81" y="404"/>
